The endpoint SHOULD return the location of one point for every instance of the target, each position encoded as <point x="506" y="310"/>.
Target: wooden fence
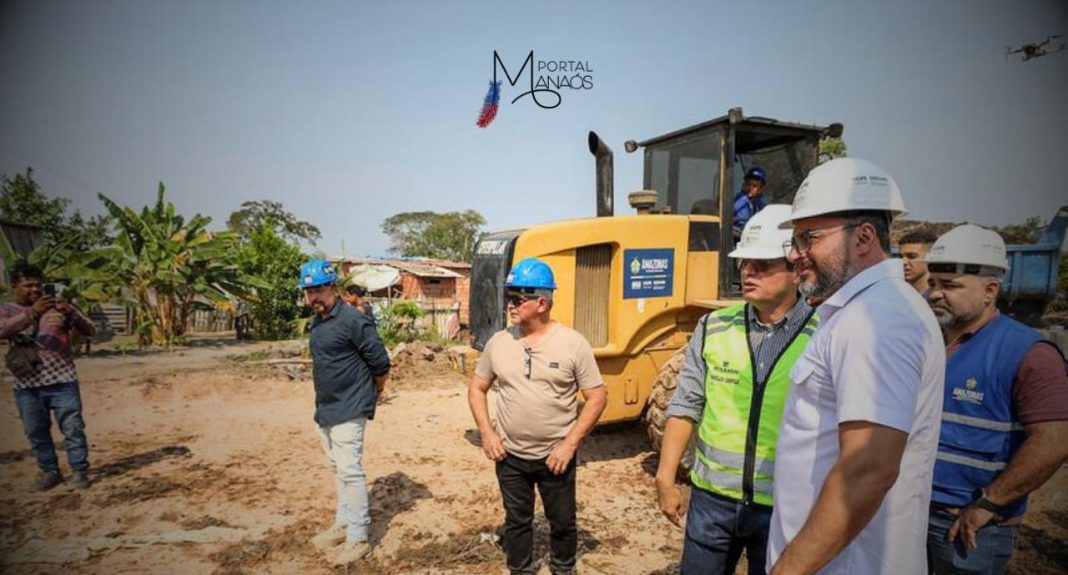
<point x="211" y="321"/>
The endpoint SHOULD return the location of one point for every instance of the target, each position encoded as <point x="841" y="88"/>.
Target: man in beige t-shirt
<point x="539" y="366"/>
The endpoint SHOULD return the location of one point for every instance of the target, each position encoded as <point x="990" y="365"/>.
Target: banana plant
<point x="61" y="262"/>
<point x="164" y="267"/>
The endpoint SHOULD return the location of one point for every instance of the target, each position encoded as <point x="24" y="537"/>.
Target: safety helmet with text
<point x="843" y="185"/>
<point x="531" y="273"/>
<point x="317" y="273"/>
<point x="968" y="249"/>
<point x="762" y="238"/>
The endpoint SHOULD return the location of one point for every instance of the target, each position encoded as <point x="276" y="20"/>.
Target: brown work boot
<point x="351" y="552"/>
<point x="48" y="480"/>
<point x="80" y="480"/>
<point x="331" y="537"/>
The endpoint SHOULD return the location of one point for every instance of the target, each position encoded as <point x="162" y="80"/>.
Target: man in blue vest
<point x="732" y="389"/>
<point x="1005" y="413"/>
<point x="747" y="202"/>
<point x="349" y="368"/>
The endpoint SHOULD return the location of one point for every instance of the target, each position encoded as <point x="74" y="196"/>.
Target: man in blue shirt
<point x="349" y="367"/>
<point x="747" y="202"/>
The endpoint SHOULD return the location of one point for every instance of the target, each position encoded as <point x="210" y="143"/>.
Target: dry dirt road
<point x="206" y="460"/>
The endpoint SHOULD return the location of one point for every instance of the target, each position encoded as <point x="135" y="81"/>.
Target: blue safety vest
<point x="980" y="432"/>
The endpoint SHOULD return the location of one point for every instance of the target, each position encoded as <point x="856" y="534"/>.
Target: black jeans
<point x="517" y="478"/>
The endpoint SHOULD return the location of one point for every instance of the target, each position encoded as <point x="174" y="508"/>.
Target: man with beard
<point x="731" y="390"/>
<point x="860" y="428"/>
<point x="1005" y="412"/>
<point x="349" y="368"/>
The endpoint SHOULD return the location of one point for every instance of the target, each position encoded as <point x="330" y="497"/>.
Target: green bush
<point x="398" y="323"/>
<point x="269" y="256"/>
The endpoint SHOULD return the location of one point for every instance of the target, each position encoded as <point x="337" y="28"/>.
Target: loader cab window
<point x="685" y="172"/>
<point x="785" y="159"/>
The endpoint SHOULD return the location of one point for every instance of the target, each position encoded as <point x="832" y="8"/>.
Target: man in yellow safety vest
<point x="732" y="389"/>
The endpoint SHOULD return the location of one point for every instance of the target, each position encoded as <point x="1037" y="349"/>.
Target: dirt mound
<point x="418" y="364"/>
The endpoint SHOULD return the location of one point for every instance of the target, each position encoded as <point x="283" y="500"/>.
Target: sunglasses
<point x="516" y="299"/>
<point x="759" y="266"/>
<point x="527" y="361"/>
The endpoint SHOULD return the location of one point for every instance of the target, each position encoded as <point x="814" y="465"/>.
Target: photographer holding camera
<point x="38" y="326"/>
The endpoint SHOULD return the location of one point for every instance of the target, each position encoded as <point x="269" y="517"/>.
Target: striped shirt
<point x="767" y="342"/>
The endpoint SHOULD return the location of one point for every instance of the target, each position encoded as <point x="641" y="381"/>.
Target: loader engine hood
<point x="493" y="261"/>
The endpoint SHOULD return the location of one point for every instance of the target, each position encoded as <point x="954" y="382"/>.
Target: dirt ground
<point x="206" y="460"/>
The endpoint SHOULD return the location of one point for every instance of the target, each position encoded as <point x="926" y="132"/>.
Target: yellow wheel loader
<point x="635" y="285"/>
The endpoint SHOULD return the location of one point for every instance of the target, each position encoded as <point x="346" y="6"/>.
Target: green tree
<point x="398" y="323"/>
<point x="268" y="256"/>
<point x="451" y="235"/>
<point x="165" y="267"/>
<point x="21" y="200"/>
<point x="255" y="214"/>
<point x="831" y="148"/>
<point x="1025" y="233"/>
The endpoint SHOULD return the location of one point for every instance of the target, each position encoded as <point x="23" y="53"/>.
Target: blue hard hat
<point x="757" y="173"/>
<point x="317" y="273"/>
<point x="531" y="273"/>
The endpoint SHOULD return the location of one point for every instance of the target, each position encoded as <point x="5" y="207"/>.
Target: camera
<point x="52" y="289"/>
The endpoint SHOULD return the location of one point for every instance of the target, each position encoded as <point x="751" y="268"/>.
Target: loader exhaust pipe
<point x="605" y="174"/>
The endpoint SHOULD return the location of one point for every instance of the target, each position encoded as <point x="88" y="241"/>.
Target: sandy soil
<point x="206" y="460"/>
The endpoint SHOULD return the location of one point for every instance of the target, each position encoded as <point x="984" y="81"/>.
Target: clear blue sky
<point x="348" y="113"/>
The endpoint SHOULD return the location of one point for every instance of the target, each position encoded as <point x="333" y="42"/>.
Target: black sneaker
<point x="48" y="480"/>
<point x="80" y="480"/>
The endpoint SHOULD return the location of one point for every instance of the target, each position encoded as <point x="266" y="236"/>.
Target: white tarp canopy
<point x="373" y="277"/>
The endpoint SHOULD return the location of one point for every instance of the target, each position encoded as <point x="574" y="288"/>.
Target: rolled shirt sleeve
<point x="689" y="398"/>
<point x="587" y="374"/>
<point x="370" y="347"/>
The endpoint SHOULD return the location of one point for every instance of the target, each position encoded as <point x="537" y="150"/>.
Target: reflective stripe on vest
<point x="981" y="423"/>
<point x="723" y="480"/>
<point x="730" y="396"/>
<point x="736" y="460"/>
<point x="972" y="462"/>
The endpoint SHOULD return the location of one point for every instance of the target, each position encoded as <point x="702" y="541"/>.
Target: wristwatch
<point x="979" y="498"/>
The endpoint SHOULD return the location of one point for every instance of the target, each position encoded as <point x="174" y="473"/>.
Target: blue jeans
<point x="718" y="529"/>
<point x="343" y="444"/>
<point x="989" y="558"/>
<point x="36" y="406"/>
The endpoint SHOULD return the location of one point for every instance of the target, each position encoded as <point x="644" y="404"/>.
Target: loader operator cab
<point x="698" y="170"/>
<point x="694" y="171"/>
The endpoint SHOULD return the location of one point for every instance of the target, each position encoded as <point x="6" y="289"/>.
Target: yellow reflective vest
<point x="735" y="453"/>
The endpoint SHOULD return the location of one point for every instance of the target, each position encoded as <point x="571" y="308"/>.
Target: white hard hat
<point x="762" y="238"/>
<point x="968" y="249"/>
<point x="845" y="184"/>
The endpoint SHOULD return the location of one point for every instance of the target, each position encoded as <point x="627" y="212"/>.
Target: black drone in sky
<point x="1034" y="49"/>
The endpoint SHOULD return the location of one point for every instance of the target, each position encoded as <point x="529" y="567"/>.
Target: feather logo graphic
<point x="490" y="105"/>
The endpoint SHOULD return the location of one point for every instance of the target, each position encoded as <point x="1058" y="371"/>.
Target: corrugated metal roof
<point x="423" y="270"/>
<point x="421" y="267"/>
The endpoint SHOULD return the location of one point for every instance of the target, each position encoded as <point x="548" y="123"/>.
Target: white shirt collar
<point x="887" y="269"/>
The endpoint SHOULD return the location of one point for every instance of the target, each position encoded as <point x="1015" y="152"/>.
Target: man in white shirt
<point x="860" y="430"/>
